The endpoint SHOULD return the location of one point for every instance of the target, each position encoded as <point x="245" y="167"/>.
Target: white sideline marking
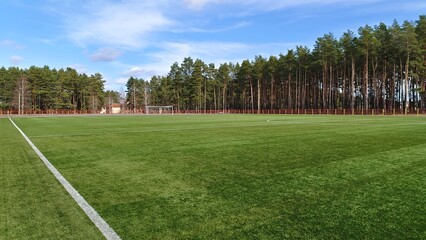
<point x="100" y="223"/>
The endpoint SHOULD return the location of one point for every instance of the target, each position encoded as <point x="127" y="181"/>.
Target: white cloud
<point x="197" y="4"/>
<point x="132" y="24"/>
<point x="12" y="44"/>
<point x="106" y="54"/>
<point x="46" y="41"/>
<point x="127" y="25"/>
<point x="134" y="72"/>
<point x="122" y="80"/>
<point x="262" y="5"/>
<point x="235" y="26"/>
<point x="15" y="60"/>
<point x="79" y="68"/>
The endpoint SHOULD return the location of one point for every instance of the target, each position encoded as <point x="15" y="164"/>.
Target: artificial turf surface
<point x="33" y="204"/>
<point x="242" y="176"/>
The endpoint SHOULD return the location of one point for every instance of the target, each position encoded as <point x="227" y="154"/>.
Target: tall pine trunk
<point x="224" y="97"/>
<point x="344" y="92"/>
<point x="366" y="82"/>
<point x="258" y="94"/>
<point x="407" y="97"/>
<point x="272" y="91"/>
<point x="353" y="84"/>
<point x="393" y="89"/>
<point x="330" y="86"/>
<point x="251" y="95"/>
<point x="324" y="86"/>
<point x="383" y="86"/>
<point x="289" y="91"/>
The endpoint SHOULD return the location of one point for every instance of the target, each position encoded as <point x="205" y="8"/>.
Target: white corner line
<point x="100" y="223"/>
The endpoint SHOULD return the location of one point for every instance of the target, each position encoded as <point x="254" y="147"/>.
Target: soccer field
<point x="233" y="176"/>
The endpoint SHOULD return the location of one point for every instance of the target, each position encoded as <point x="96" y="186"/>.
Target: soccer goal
<point x="159" y="109"/>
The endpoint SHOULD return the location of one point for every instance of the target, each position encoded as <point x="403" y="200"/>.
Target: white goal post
<point x="159" y="110"/>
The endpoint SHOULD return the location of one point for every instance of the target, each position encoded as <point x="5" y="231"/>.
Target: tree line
<point x="41" y="88"/>
<point x="379" y="67"/>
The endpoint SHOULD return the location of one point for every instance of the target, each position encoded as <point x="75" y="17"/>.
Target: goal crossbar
<point x="159" y="109"/>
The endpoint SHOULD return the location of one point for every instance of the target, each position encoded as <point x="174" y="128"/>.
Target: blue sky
<point x="140" y="38"/>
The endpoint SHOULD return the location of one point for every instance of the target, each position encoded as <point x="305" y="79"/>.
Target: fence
<point x="306" y="111"/>
<point x="228" y="111"/>
<point x="47" y="112"/>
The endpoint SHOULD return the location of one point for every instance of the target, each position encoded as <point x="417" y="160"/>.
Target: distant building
<point x="115" y="108"/>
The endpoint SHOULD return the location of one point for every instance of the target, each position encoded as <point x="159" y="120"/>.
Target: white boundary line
<point x="100" y="223"/>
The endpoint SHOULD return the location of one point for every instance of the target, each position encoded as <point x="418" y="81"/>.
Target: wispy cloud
<point x="262" y="5"/>
<point x="127" y="24"/>
<point x="132" y="24"/>
<point x="80" y="68"/>
<point x="106" y="54"/>
<point x="134" y="72"/>
<point x="395" y="7"/>
<point x="199" y="4"/>
<point x="122" y="80"/>
<point x="235" y="26"/>
<point x="15" y="60"/>
<point x="46" y="41"/>
<point x="11" y="44"/>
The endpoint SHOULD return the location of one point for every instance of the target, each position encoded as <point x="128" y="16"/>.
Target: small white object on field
<point x="267" y="120"/>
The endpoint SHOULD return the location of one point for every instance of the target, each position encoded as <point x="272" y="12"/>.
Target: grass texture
<point x="33" y="204"/>
<point x="231" y="176"/>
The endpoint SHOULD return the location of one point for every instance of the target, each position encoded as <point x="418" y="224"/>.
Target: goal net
<point x="159" y="109"/>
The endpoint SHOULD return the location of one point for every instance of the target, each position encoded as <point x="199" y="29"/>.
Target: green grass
<point x="33" y="204"/>
<point x="243" y="177"/>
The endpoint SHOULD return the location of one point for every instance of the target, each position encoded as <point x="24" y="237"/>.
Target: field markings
<point x="99" y="222"/>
